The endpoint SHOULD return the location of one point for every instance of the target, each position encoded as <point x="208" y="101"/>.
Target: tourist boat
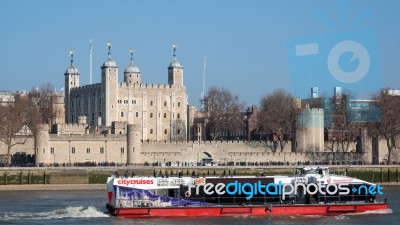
<point x="311" y="191"/>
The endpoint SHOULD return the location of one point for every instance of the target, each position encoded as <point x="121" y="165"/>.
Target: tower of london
<point x="159" y="109"/>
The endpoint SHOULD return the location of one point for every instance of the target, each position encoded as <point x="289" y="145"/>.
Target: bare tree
<point x="388" y="128"/>
<point x="223" y="112"/>
<point x="344" y="131"/>
<point x="16" y="114"/>
<point x="42" y="97"/>
<point x="277" y="116"/>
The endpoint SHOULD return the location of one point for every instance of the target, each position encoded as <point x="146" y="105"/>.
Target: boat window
<point x="310" y="171"/>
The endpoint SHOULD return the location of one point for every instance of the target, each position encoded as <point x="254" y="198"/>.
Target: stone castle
<point x="159" y="109"/>
<point x="134" y="123"/>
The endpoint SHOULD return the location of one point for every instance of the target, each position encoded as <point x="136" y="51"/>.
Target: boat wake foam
<point x="374" y="212"/>
<point x="69" y="212"/>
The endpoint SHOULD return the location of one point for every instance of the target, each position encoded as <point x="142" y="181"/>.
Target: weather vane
<point x="131" y="51"/>
<point x="109" y="48"/>
<point x="72" y="53"/>
<point x="174" y="48"/>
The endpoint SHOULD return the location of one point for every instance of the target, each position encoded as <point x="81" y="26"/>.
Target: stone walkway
<point x="51" y="187"/>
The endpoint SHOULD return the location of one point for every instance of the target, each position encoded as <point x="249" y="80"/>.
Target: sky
<point x="252" y="47"/>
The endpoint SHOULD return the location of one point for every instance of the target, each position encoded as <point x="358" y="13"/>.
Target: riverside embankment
<point x="94" y="178"/>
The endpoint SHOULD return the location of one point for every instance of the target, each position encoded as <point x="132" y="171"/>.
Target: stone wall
<point x="114" y="148"/>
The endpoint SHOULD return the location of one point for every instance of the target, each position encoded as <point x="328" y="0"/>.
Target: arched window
<point x="178" y="116"/>
<point x="178" y="131"/>
<point x="151" y="131"/>
<point x="165" y="103"/>
<point x="151" y="103"/>
<point x="151" y="115"/>
<point x="137" y="114"/>
<point x="165" y="131"/>
<point x="165" y="115"/>
<point x="179" y="104"/>
<point x="122" y="114"/>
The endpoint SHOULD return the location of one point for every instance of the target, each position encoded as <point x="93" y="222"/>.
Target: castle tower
<point x="175" y="70"/>
<point x="109" y="86"/>
<point x="57" y="101"/>
<point x="310" y="130"/>
<point x="71" y="81"/>
<point x="42" y="149"/>
<point x="134" y="145"/>
<point x="132" y="72"/>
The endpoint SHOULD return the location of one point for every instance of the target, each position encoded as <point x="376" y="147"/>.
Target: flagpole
<point x="90" y="60"/>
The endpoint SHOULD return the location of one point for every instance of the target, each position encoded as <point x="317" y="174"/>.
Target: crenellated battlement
<point x="145" y="85"/>
<point x="89" y="87"/>
<point x="87" y="137"/>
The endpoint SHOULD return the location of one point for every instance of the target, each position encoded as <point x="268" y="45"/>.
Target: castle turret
<point x="175" y="70"/>
<point x="132" y="72"/>
<point x="71" y="81"/>
<point x="109" y="86"/>
<point x="58" y="108"/>
<point x="42" y="149"/>
<point x="134" y="145"/>
<point x="310" y="130"/>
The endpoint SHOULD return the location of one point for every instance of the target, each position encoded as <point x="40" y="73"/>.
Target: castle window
<point x="178" y="116"/>
<point x="72" y="104"/>
<point x="165" y="103"/>
<point x="73" y="150"/>
<point x="151" y="103"/>
<point x="179" y="104"/>
<point x="165" y="131"/>
<point x="88" y="150"/>
<point x="151" y="115"/>
<point x="151" y="131"/>
<point x="52" y="150"/>
<point x="122" y="150"/>
<point x="122" y="114"/>
<point x="178" y="131"/>
<point x="165" y="115"/>
<point x="137" y="114"/>
<point x="101" y="150"/>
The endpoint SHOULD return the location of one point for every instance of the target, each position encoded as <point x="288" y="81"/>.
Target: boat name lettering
<point x="141" y="181"/>
<point x="280" y="189"/>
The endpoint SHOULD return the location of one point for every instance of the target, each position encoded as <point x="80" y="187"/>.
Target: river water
<point x="88" y="207"/>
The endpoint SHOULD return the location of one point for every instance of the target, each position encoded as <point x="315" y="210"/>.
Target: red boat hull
<point x="226" y="211"/>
